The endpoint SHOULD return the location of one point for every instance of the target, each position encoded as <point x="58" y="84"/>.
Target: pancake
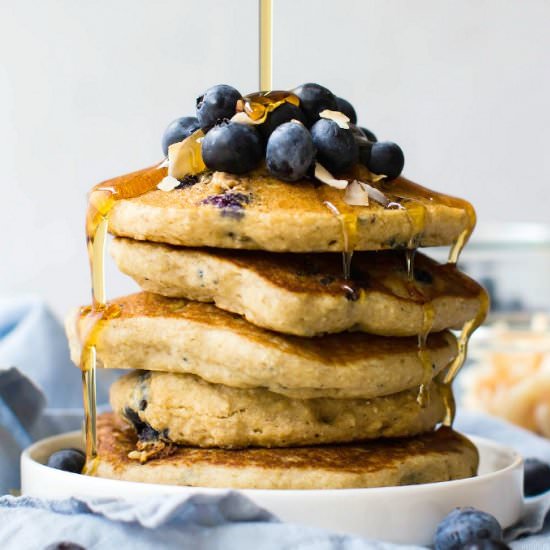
<point x="305" y="294"/>
<point x="257" y="211"/>
<point x="442" y="455"/>
<point x="190" y="411"/>
<point x="176" y="335"/>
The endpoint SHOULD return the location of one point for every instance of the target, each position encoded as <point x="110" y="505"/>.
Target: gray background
<point x="86" y="89"/>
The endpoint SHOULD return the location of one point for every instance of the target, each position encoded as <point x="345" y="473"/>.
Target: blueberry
<point x="466" y="526"/>
<point x="536" y="478"/>
<point x="216" y="104"/>
<point x="290" y="151"/>
<point x="284" y="113"/>
<point x="363" y="143"/>
<point x="228" y="200"/>
<point x="64" y="545"/>
<point x="337" y="149"/>
<point x="69" y="460"/>
<point x="232" y="147"/>
<point x="386" y="158"/>
<point x="315" y="98"/>
<point x="486" y="544"/>
<point x="368" y="133"/>
<point x="178" y="130"/>
<point x="344" y="106"/>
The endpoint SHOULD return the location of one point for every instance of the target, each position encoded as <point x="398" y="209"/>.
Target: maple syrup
<point x="465" y="334"/>
<point x="402" y="188"/>
<point x="266" y="44"/>
<point x="410" y="254"/>
<point x="258" y="105"/>
<point x="101" y="200"/>
<point x="348" y="223"/>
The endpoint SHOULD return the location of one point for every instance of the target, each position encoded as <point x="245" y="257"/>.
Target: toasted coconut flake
<point x="168" y="183"/>
<point x="323" y="175"/>
<point x="340" y="118"/>
<point x="185" y="157"/>
<point x="356" y="194"/>
<point x="243" y="118"/>
<point x="375" y="194"/>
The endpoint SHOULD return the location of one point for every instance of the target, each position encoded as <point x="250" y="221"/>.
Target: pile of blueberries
<point x="291" y="139"/>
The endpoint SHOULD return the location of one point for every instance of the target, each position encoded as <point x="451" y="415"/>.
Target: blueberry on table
<point x="536" y="478"/>
<point x="344" y="106"/>
<point x="486" y="544"/>
<point x="232" y="147"/>
<point x="178" y="130"/>
<point x="370" y="136"/>
<point x="290" y="151"/>
<point x="64" y="545"/>
<point x="284" y="113"/>
<point x="466" y="526"/>
<point x="337" y="149"/>
<point x="386" y="158"/>
<point x="69" y="460"/>
<point x="315" y="98"/>
<point x="216" y="104"/>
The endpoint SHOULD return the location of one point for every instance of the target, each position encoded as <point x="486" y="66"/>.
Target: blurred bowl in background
<point x="508" y="374"/>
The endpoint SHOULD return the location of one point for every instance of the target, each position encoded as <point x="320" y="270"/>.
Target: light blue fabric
<point x="40" y="395"/>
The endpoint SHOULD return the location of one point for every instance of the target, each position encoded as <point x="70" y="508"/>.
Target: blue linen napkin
<point x="40" y="395"/>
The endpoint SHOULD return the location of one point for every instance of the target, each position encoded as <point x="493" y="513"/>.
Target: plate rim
<point x="516" y="460"/>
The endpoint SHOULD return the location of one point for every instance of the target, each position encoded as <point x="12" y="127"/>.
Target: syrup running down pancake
<point x="305" y="294"/>
<point x="176" y="335"/>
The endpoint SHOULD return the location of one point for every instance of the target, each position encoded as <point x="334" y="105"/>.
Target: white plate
<point x="407" y="514"/>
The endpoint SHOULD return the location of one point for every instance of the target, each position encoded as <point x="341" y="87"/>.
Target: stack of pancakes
<point x="255" y="363"/>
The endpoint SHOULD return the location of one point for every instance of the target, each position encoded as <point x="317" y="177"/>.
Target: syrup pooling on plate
<point x="101" y="200"/>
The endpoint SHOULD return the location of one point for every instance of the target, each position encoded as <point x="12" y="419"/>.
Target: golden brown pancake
<point x="176" y="335"/>
<point x="257" y="211"/>
<point x="442" y="455"/>
<point x="306" y="294"/>
<point x="191" y="411"/>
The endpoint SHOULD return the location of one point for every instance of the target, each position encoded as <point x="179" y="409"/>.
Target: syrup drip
<point x="448" y="402"/>
<point x="424" y="355"/>
<point x="101" y="200"/>
<point x="258" y="105"/>
<point x="403" y="188"/>
<point x="465" y="334"/>
<point x="410" y="254"/>
<point x="348" y="223"/>
<point x="428" y="316"/>
<point x="266" y="44"/>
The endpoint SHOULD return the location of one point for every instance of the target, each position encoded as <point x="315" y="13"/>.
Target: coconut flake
<point x="375" y="194"/>
<point x="168" y="183"/>
<point x="340" y="118"/>
<point x="163" y="164"/>
<point x="323" y="175"/>
<point x="243" y="118"/>
<point x="356" y="194"/>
